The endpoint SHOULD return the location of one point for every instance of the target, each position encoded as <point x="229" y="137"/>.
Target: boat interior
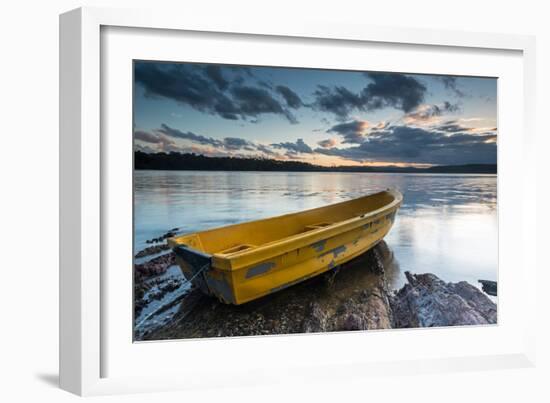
<point x="237" y="238"/>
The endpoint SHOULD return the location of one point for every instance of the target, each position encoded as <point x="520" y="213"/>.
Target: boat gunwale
<point x="235" y="260"/>
<point x="297" y="241"/>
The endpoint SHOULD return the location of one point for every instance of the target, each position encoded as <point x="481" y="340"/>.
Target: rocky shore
<point x="428" y="301"/>
<point x="355" y="296"/>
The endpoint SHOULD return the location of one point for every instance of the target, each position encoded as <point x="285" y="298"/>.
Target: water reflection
<point x="447" y="224"/>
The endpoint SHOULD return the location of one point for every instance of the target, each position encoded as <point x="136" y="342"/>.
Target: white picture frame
<point x="85" y="344"/>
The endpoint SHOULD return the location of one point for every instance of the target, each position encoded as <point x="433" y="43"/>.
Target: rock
<point x="154" y="266"/>
<point x="355" y="298"/>
<point x="354" y="322"/>
<point x="490" y="287"/>
<point x="316" y="319"/>
<point x="146" y="279"/>
<point x="428" y="301"/>
<point x="351" y="297"/>
<point x="163" y="237"/>
<point x="152" y="250"/>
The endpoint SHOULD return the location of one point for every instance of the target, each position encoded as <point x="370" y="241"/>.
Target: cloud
<point x="229" y="143"/>
<point x="144" y="148"/>
<point x="455" y="126"/>
<point x="156" y="142"/>
<point x="207" y="88"/>
<point x="337" y="100"/>
<point x="265" y="149"/>
<point x="235" y="143"/>
<point x="451" y="127"/>
<point x="328" y="143"/>
<point x="419" y="145"/>
<point x="197" y="138"/>
<point x="162" y="140"/>
<point x="381" y="125"/>
<point x="184" y="84"/>
<point x="450" y="83"/>
<point x="429" y="113"/>
<point x="299" y="147"/>
<point x="215" y="74"/>
<point x="253" y="101"/>
<point x="146" y="137"/>
<point x="265" y="84"/>
<point x="394" y="90"/>
<point x="448" y="143"/>
<point x="353" y="132"/>
<point x="292" y="99"/>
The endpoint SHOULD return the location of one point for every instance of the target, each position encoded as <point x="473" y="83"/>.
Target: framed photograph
<point x="252" y="194"/>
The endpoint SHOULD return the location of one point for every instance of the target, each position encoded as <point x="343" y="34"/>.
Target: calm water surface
<point x="447" y="224"/>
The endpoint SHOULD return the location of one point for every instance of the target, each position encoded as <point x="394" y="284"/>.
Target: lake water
<point x="447" y="224"/>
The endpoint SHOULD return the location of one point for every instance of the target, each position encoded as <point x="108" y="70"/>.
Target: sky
<point x="324" y="117"/>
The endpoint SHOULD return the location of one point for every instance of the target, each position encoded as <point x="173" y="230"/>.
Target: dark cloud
<point x="206" y="89"/>
<point x="328" y="143"/>
<point x="222" y="147"/>
<point x="381" y="125"/>
<point x="337" y="100"/>
<point x="455" y="126"/>
<point x="196" y="138"/>
<point x="156" y="142"/>
<point x="299" y="147"/>
<point x="265" y="84"/>
<point x="144" y="149"/>
<point x="187" y="84"/>
<point x="417" y="145"/>
<point x="235" y="143"/>
<point x="265" y="149"/>
<point x="252" y="101"/>
<point x="292" y="99"/>
<point x="352" y="132"/>
<point x="451" y="127"/>
<point x="146" y="137"/>
<point x="394" y="90"/>
<point x="215" y="74"/>
<point x="426" y="112"/>
<point x="449" y="107"/>
<point x="450" y="83"/>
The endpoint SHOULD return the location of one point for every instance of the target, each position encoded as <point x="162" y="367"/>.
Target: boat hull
<point x="250" y="272"/>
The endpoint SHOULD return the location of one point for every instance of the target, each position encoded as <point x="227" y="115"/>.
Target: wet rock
<point x="152" y="250"/>
<point x="153" y="267"/>
<point x="148" y="283"/>
<point x="164" y="236"/>
<point x="428" y="301"/>
<point x="316" y="319"/>
<point x="352" y="297"/>
<point x="490" y="287"/>
<point x="354" y="322"/>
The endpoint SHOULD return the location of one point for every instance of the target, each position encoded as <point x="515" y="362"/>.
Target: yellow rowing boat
<point x="242" y="262"/>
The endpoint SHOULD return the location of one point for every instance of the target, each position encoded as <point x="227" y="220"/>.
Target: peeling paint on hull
<point x="259" y="269"/>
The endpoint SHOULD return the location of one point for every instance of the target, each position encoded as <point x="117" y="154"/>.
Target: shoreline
<point x="355" y="296"/>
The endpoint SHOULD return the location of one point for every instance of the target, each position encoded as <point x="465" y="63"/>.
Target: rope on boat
<point x="169" y="304"/>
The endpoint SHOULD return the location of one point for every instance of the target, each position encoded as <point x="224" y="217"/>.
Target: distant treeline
<point x="196" y="162"/>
